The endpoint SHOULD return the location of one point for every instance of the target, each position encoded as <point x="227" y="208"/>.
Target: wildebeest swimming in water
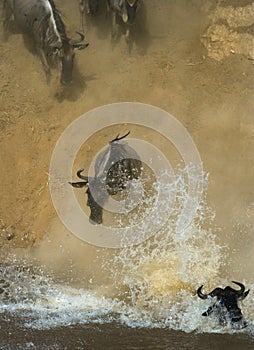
<point x="226" y="304"/>
<point x="114" y="167"/>
<point x="41" y="21"/>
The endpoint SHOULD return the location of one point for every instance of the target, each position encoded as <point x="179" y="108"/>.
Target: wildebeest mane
<point x="59" y="22"/>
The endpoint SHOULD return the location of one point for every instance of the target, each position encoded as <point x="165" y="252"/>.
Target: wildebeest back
<point x="118" y="164"/>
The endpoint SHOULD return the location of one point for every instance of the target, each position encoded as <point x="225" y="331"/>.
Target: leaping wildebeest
<point x="226" y="304"/>
<point x="114" y="167"/>
<point x="126" y="10"/>
<point x="41" y="21"/>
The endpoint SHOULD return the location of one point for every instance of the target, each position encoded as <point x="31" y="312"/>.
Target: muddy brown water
<point x="115" y="337"/>
<point x="153" y="294"/>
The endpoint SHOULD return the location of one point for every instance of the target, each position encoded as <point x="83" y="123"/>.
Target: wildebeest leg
<point x="235" y="316"/>
<point x="222" y="316"/>
<point x="6" y="14"/>
<point x="127" y="35"/>
<point x="115" y="29"/>
<point x="237" y="320"/>
<point x="222" y="312"/>
<point x="128" y="40"/>
<point x="209" y="310"/>
<point x="81" y="11"/>
<point x="44" y="63"/>
<point x="89" y="8"/>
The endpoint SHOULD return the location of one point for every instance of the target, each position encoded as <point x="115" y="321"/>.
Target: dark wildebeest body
<point x="114" y="168"/>
<point x="227" y="303"/>
<point x="41" y="21"/>
<point x="126" y="9"/>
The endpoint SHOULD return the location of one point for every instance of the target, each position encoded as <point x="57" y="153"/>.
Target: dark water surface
<point x="114" y="336"/>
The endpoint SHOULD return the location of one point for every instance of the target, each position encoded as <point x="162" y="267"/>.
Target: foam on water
<point x="59" y="305"/>
<point x="153" y="284"/>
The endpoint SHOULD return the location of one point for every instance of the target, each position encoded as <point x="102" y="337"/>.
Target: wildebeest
<point x="90" y="7"/>
<point x="114" y="167"/>
<point x="126" y="9"/>
<point x="226" y="304"/>
<point x="41" y="21"/>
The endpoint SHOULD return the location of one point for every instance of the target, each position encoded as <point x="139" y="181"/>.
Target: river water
<point x="114" y="336"/>
<point x="138" y="297"/>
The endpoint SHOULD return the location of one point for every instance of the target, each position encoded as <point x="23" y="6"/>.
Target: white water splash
<point x="160" y="302"/>
<point x="153" y="284"/>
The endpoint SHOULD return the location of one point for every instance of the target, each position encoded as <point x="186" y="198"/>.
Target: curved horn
<point x="82" y="176"/>
<point x="77" y="41"/>
<point x="241" y="291"/>
<point x="78" y="184"/>
<point x="200" y="294"/>
<point x="244" y="295"/>
<point x="120" y="138"/>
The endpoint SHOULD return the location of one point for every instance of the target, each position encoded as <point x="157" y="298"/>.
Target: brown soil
<point x="168" y="67"/>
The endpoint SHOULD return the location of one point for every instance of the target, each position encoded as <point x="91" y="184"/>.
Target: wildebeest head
<point x="67" y="54"/>
<point x="114" y="167"/>
<point x="131" y="8"/>
<point x="95" y="208"/>
<point x="218" y="292"/>
<point x="56" y="31"/>
<point x="226" y="303"/>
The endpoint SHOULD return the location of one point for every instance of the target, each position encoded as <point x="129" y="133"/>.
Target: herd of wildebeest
<point x="41" y="21"/>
